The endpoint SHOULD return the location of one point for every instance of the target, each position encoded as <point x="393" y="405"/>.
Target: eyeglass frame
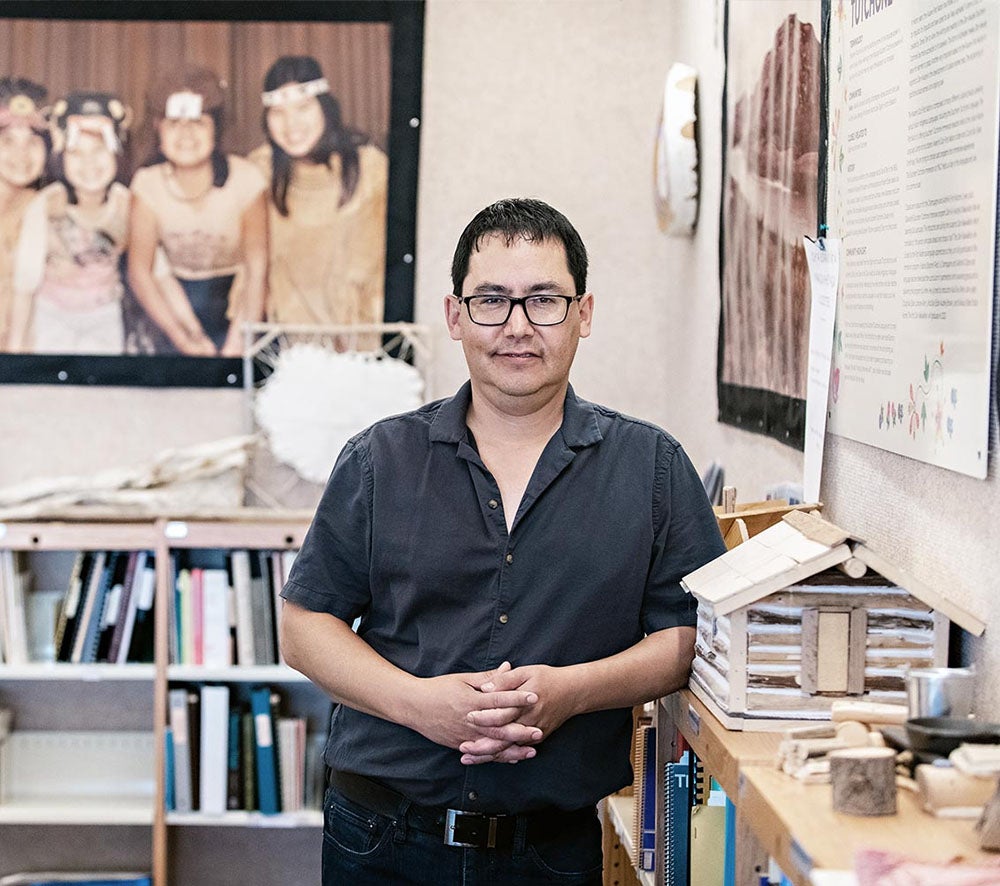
<point x="513" y="302"/>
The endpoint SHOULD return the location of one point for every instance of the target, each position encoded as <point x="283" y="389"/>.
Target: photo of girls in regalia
<point x="156" y="209"/>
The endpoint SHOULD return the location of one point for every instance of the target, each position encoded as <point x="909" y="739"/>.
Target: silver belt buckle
<point x="451" y="817"/>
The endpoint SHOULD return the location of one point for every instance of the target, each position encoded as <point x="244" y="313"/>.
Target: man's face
<point x="517" y="363"/>
<point x="22" y="155"/>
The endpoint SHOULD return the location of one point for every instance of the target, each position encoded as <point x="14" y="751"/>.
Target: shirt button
<point x="473" y="795"/>
<point x="509" y="558"/>
<point x="493" y="503"/>
<point x="503" y="619"/>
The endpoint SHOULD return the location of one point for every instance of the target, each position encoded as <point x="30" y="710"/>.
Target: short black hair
<point x="520" y="218"/>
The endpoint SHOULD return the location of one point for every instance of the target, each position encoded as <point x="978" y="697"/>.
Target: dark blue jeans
<point x="363" y="848"/>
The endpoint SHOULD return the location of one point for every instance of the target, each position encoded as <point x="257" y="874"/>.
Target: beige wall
<point x="559" y="99"/>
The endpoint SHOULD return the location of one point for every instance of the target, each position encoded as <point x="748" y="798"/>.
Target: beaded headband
<point x="23" y="110"/>
<point x="294" y="92"/>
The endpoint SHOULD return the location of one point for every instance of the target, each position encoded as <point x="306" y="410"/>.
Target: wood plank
<point x="857" y="649"/>
<point x="796" y="824"/>
<point x="814" y="527"/>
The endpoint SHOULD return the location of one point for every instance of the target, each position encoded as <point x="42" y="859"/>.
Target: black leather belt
<point x="474" y="830"/>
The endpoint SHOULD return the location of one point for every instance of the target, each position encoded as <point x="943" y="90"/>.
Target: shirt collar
<point x="579" y="426"/>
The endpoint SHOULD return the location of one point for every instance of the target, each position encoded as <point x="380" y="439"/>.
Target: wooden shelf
<point x="305" y="818"/>
<point x="78" y="810"/>
<point x="794" y="822"/>
<point x="235" y="674"/>
<point x="621" y="811"/>
<point x="85" y="673"/>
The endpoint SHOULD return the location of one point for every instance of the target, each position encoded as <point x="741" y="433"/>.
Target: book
<point x="133" y="562"/>
<point x="266" y="761"/>
<point x="86" y="626"/>
<point x="194" y="737"/>
<point x="646" y="844"/>
<point x="234" y="782"/>
<point x="168" y="769"/>
<point x="248" y="761"/>
<point x="14" y="626"/>
<point x="676" y="821"/>
<point x="197" y="616"/>
<point x="277" y="583"/>
<point x="214" y="745"/>
<point x="292" y="750"/>
<point x="261" y="608"/>
<point x="177" y="704"/>
<point x="138" y="637"/>
<point x="127" y="608"/>
<point x="239" y="566"/>
<point x="185" y="624"/>
<point x="112" y="602"/>
<point x="216" y="647"/>
<point x="64" y="611"/>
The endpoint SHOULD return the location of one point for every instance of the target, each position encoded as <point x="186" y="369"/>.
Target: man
<point x="514" y="553"/>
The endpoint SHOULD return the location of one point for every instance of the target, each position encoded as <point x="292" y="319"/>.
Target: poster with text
<point x="913" y="174"/>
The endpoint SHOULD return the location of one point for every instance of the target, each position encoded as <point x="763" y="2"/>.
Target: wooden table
<point x="780" y="817"/>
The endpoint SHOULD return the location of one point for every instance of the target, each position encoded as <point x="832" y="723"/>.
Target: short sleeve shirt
<point x="410" y="535"/>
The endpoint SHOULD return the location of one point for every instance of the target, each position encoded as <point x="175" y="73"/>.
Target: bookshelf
<point x="113" y="814"/>
<point x="621" y="811"/>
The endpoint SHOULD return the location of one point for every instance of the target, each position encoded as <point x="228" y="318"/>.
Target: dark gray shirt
<point x="410" y="535"/>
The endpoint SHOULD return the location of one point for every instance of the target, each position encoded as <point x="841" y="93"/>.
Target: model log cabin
<point x="801" y="614"/>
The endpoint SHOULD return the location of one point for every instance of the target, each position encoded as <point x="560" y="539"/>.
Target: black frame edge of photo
<point x="406" y="18"/>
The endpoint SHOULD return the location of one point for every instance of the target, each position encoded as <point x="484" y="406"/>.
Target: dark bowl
<point x="941" y="735"/>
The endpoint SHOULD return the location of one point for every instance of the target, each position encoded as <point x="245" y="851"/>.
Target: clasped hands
<point x="497" y="716"/>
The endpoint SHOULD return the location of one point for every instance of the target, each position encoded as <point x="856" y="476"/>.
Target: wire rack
<point x="269" y="483"/>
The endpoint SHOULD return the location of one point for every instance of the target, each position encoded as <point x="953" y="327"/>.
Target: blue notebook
<point x="266" y="760"/>
<point x="676" y="821"/>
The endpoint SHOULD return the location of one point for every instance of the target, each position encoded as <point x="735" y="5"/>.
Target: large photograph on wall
<point x="166" y="181"/>
<point x="769" y="202"/>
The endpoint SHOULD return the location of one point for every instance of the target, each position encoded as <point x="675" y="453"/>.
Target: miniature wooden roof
<point x="790" y="551"/>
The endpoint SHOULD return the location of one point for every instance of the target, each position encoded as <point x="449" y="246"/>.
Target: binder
<point x="138" y="638"/>
<point x="135" y="593"/>
<point x="214" y="745"/>
<point x="178" y="717"/>
<point x="676" y="821"/>
<point x="136" y="561"/>
<point x="267" y="764"/>
<point x="117" y="575"/>
<point x="216" y="652"/>
<point x="88" y="602"/>
<point x="647" y="829"/>
<point x="239" y="564"/>
<point x="234" y="783"/>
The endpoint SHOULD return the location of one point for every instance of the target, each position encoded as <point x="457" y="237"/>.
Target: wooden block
<point x="816" y="528"/>
<point x="864" y="781"/>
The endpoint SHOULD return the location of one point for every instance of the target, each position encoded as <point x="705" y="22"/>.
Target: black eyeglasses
<point x="495" y="310"/>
